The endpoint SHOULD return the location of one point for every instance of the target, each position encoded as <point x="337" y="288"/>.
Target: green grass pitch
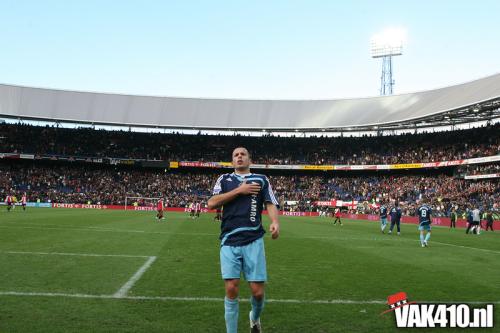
<point x="68" y="270"/>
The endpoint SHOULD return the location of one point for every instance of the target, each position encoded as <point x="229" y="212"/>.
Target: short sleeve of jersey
<point x="218" y="186"/>
<point x="268" y="194"/>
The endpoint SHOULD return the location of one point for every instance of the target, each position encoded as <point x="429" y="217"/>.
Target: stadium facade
<point x="458" y="162"/>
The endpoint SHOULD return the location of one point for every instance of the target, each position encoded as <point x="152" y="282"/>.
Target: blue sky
<point x="243" y="49"/>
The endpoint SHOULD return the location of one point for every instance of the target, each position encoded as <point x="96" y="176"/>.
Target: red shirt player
<point x="8" y="200"/>
<point x="197" y="208"/>
<point x="337" y="217"/>
<point x="218" y="214"/>
<point x="160" y="207"/>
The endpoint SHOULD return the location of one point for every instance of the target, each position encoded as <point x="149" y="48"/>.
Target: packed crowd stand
<point x="406" y="148"/>
<point x="78" y="183"/>
<point x="478" y="169"/>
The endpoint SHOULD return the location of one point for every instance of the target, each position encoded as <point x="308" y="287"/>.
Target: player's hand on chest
<point x="249" y="188"/>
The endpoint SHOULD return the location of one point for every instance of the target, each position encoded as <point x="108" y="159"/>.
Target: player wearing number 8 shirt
<point x="424" y="215"/>
<point x="242" y="195"/>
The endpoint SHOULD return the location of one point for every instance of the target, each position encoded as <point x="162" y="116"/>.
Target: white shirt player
<point x="476" y="215"/>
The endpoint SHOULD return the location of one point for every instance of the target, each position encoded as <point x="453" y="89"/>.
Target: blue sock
<point x="428" y="236"/>
<point x="422" y="238"/>
<point x="257" y="307"/>
<point x="231" y="314"/>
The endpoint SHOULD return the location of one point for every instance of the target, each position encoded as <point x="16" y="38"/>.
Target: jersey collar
<point x="242" y="176"/>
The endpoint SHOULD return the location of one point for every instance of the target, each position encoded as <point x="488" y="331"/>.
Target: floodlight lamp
<point x="388" y="43"/>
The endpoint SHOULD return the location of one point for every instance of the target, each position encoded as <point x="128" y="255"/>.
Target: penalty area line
<point x="122" y="292"/>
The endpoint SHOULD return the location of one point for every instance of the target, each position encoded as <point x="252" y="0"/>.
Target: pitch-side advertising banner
<point x="487" y="159"/>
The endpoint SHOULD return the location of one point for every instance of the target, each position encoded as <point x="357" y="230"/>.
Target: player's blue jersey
<point x="395" y="214"/>
<point x="383" y="212"/>
<point x="424" y="215"/>
<point x="242" y="217"/>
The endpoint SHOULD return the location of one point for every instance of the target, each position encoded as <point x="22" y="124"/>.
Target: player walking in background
<point x="453" y="218"/>
<point x="159" y="210"/>
<point x="383" y="217"/>
<point x="191" y="210"/>
<point x="337" y="216"/>
<point x="218" y="215"/>
<point x="197" y="208"/>
<point x="242" y="195"/>
<point x="489" y="220"/>
<point x="468" y="216"/>
<point x="14" y="202"/>
<point x="395" y="218"/>
<point x="8" y="201"/>
<point x="476" y="221"/>
<point x="424" y="216"/>
<point x="23" y="201"/>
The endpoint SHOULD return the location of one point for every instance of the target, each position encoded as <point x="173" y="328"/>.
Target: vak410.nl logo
<point x="412" y="314"/>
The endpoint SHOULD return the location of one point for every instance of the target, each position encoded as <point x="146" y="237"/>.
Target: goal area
<point x="140" y="201"/>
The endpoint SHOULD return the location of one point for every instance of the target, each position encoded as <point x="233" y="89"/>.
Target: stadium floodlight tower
<point x="385" y="45"/>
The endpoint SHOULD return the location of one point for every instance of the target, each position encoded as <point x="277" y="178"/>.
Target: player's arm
<point x="245" y="188"/>
<point x="272" y="209"/>
<point x="273" y="213"/>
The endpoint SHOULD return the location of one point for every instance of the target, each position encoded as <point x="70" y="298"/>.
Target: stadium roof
<point x="474" y="101"/>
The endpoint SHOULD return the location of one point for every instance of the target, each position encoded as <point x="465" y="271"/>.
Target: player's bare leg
<point x="257" y="301"/>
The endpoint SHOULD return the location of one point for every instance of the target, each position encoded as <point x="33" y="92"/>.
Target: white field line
<point x="463" y="246"/>
<point x="76" y="254"/>
<point x="125" y="288"/>
<point x="130" y="283"/>
<point x="216" y="299"/>
<point x="185" y="299"/>
<point x="98" y="229"/>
